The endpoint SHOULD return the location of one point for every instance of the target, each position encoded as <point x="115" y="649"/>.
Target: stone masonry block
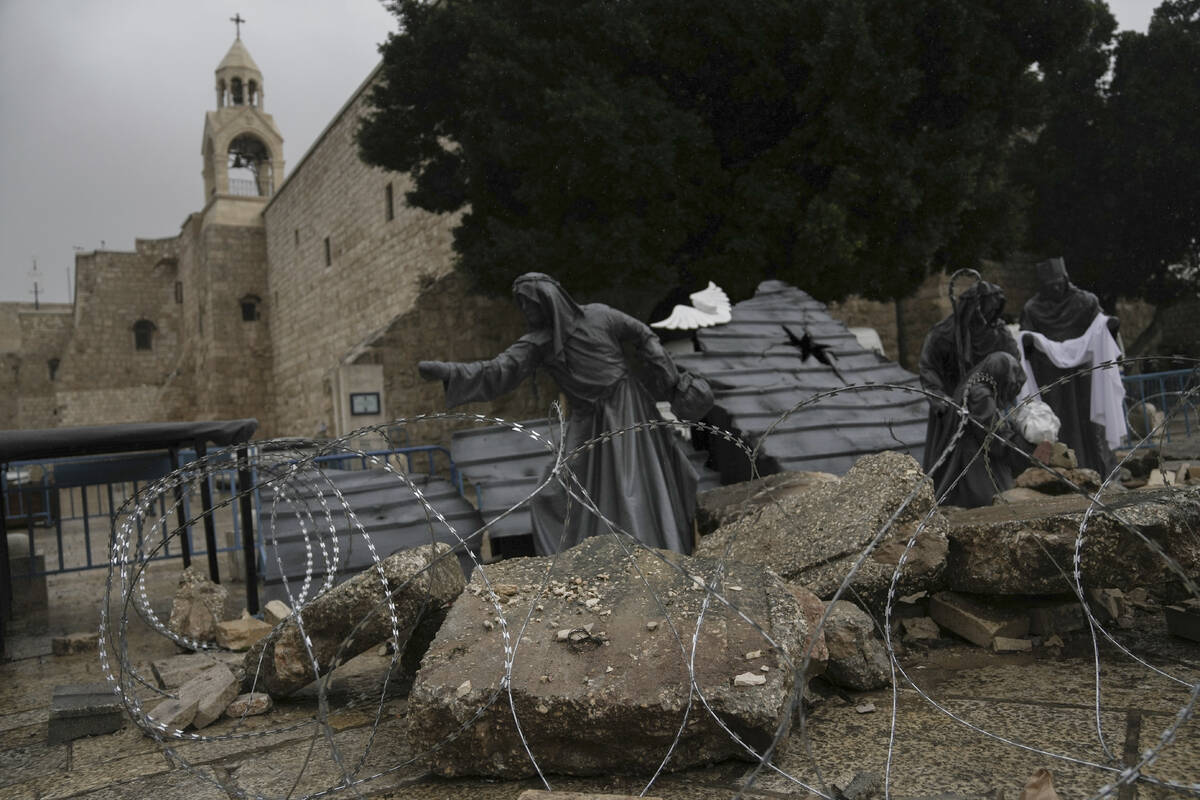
<point x="87" y="709"/>
<point x="976" y="621"/>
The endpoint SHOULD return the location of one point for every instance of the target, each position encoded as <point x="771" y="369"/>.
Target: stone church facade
<point x="303" y="301"/>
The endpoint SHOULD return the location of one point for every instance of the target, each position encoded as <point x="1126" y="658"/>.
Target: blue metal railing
<point x="1169" y="393"/>
<point x="77" y="491"/>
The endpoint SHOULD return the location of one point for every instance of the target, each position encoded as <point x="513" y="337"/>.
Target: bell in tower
<point x="242" y="148"/>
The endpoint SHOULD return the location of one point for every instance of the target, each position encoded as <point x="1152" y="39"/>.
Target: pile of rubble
<point x="609" y="658"/>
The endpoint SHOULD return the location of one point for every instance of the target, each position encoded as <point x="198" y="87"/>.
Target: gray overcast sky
<point x="102" y="107"/>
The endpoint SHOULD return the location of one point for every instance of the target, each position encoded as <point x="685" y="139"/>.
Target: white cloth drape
<point x="1094" y="347"/>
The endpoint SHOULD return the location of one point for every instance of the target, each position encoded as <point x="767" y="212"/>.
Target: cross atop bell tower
<point x="242" y="148"/>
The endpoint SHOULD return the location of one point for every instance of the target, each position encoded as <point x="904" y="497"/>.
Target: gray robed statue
<point x="641" y="480"/>
<point x="1060" y="311"/>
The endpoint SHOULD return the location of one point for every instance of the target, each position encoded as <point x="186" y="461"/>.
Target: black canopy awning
<point x="98" y="439"/>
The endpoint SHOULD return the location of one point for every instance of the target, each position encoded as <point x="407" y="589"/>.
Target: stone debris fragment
<point x="74" y="643"/>
<point x="199" y="701"/>
<point x="275" y="612"/>
<point x="88" y="709"/>
<point x="920" y="629"/>
<point x="865" y="708"/>
<point x="974" y="620"/>
<point x="251" y="704"/>
<point x="749" y="679"/>
<point x="175" y="671"/>
<point x="651" y="625"/>
<point x="423" y="585"/>
<point x="753" y="654"/>
<point x="563" y="634"/>
<point x="243" y="633"/>
<point x="198" y="606"/>
<point x="1003" y="644"/>
<point x="488" y="625"/>
<point x="463" y="690"/>
<point x="857" y="659"/>
<point x="507" y="589"/>
<point x="1052" y="641"/>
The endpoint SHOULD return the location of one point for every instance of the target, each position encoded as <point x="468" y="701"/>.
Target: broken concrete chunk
<point x="275" y="612"/>
<point x="840" y="518"/>
<point x="749" y="679"/>
<point x="198" y="606"/>
<point x="865" y="708"/>
<point x="175" y="671"/>
<point x="591" y="721"/>
<point x="88" y="709"/>
<point x="241" y="634"/>
<point x="920" y="629"/>
<point x="199" y="701"/>
<point x="857" y="659"/>
<point x="1021" y="549"/>
<point x="251" y="704"/>
<point x="1003" y="644"/>
<point x="975" y="620"/>
<point x="423" y="583"/>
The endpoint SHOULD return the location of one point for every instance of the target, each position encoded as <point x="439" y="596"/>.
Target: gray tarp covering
<point x="764" y="376"/>
<point x="384" y="505"/>
<point x="97" y="439"/>
<point x="642" y="481"/>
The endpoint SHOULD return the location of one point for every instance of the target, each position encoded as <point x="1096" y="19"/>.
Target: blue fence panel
<point x="1171" y="393"/>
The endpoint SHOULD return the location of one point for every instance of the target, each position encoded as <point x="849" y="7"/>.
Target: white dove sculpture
<point x="710" y="306"/>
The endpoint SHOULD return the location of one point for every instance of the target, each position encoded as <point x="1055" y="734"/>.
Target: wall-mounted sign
<point x="364" y="403"/>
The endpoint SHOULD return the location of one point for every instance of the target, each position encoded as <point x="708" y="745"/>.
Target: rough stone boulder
<point x="726" y="504"/>
<point x="857" y="658"/>
<point x="1052" y="480"/>
<point x="198" y="606"/>
<point x="423" y="581"/>
<point x="600" y="683"/>
<point x="812" y="537"/>
<point x="1020" y="548"/>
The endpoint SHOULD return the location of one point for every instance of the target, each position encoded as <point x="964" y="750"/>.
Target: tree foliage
<point x="1115" y="173"/>
<point x="841" y="145"/>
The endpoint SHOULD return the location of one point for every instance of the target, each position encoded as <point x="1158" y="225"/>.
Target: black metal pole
<point x="5" y="573"/>
<point x="210" y="529"/>
<point x="245" y="489"/>
<point x="184" y="532"/>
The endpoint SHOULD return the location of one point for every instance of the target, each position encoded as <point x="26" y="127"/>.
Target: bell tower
<point x="242" y="148"/>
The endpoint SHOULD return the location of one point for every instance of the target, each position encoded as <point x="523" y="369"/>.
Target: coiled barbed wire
<point x="292" y="478"/>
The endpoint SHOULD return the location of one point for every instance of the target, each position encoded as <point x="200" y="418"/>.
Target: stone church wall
<point x="113" y="291"/>
<point x="29" y="341"/>
<point x="348" y="284"/>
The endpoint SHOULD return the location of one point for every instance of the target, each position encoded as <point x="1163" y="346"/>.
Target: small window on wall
<point x="390" y="203"/>
<point x="178" y="291"/>
<point x="250" y="308"/>
<point x="143" y="334"/>
<point x="296" y="237"/>
<point x="53" y="365"/>
<point x="328" y="253"/>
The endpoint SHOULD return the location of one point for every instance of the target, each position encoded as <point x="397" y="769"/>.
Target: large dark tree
<point x="842" y="145"/>
<point x="1115" y="173"/>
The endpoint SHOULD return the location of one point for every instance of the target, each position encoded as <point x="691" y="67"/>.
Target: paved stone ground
<point x="1045" y="699"/>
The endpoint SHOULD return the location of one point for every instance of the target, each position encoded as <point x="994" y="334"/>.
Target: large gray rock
<point x="599" y="682"/>
<point x="857" y="659"/>
<point x="422" y="590"/>
<point x="1021" y="548"/>
<point x="812" y="537"/>
<point x="198" y="606"/>
<point x="726" y="504"/>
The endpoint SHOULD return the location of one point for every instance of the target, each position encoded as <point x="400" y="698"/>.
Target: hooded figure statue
<point x="987" y="391"/>
<point x="954" y="347"/>
<point x="641" y="480"/>
<point x="1061" y="311"/>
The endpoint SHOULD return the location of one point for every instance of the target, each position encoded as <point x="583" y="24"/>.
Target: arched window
<point x="250" y="305"/>
<point x="235" y="91"/>
<point x="53" y="365"/>
<point x="252" y="93"/>
<point x="249" y="167"/>
<point x="221" y="93"/>
<point x="143" y="334"/>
